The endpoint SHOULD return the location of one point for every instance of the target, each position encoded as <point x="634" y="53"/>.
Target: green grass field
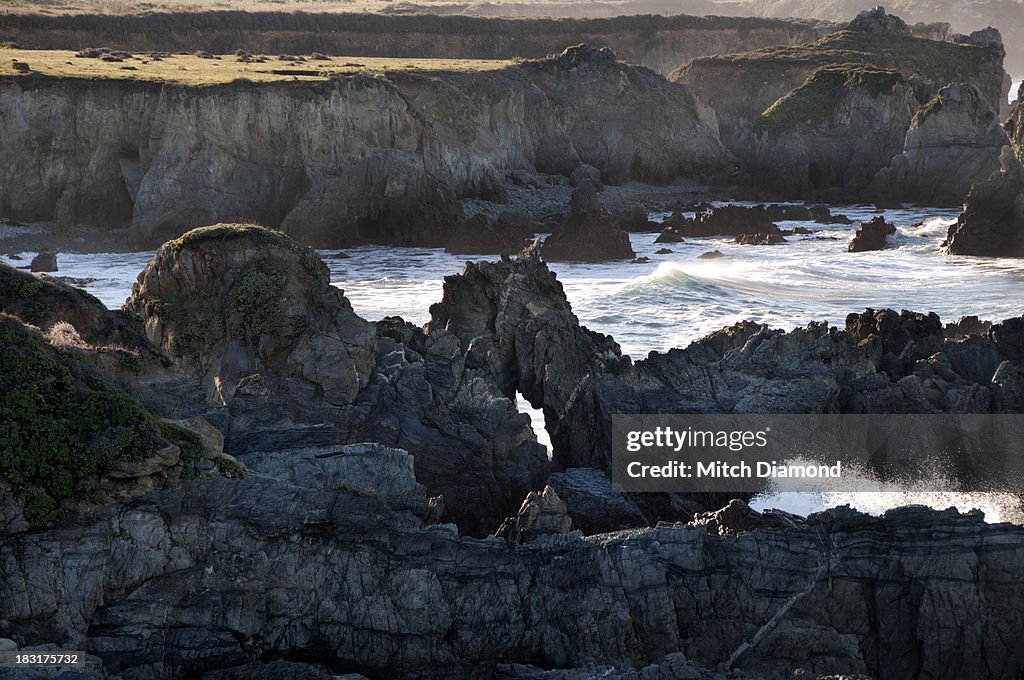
<point x="190" y="69"/>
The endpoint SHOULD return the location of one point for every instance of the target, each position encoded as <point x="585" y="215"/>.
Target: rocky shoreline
<point x="268" y="503"/>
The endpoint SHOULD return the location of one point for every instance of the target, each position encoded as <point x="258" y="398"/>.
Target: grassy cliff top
<point x="815" y="100"/>
<point x="193" y="69"/>
<point x="882" y="50"/>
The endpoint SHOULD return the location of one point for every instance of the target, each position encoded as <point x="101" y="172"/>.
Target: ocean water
<point x="677" y="298"/>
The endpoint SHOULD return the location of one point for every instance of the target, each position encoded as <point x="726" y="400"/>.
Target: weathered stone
<point x="871" y="235"/>
<point x="44" y="262"/>
<point x="959" y="129"/>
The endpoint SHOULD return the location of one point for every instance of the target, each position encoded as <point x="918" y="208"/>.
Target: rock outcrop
<point x="958" y="129"/>
<point x="586" y="234"/>
<point x="337" y="161"/>
<point x="865" y="82"/>
<point x="834" y="132"/>
<point x="230" y="301"/>
<point x="992" y="223"/>
<point x="44" y="262"/>
<point x="515" y="313"/>
<point x="871" y="235"/>
<point x="251" y="316"/>
<point x="316" y="575"/>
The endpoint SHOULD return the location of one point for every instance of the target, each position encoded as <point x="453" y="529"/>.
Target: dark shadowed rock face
<point x="587" y="235"/>
<point x="229" y="301"/>
<point x="156" y="588"/>
<point x="871" y="235"/>
<point x="992" y="222"/>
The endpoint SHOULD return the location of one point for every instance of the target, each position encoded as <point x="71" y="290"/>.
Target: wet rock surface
<point x="586" y="234"/>
<point x="871" y="235"/>
<point x="992" y="223"/>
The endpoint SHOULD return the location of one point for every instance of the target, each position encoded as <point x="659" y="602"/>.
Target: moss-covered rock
<point x="61" y="425"/>
<point x="233" y="300"/>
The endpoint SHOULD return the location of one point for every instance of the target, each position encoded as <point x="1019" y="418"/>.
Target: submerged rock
<point x="871" y="235"/>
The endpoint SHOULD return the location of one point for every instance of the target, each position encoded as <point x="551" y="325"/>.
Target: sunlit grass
<point x="190" y="69"/>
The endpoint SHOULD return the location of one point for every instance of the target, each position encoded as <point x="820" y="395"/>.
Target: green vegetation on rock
<point x="815" y="100"/>
<point x="254" y="307"/>
<point x="60" y="425"/>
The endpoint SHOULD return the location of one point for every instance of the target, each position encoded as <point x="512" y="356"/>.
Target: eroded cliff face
<point x="992" y="223"/>
<point x="352" y="159"/>
<point x="836" y="131"/>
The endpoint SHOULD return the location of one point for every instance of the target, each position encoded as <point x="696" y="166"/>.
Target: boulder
<point x="45" y="261"/>
<point x="228" y="301"/>
<point x="542" y="513"/>
<point x="871" y="235"/>
<point x="595" y="505"/>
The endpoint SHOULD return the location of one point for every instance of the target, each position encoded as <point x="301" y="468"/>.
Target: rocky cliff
<point x="956" y="129"/>
<point x="341" y="160"/>
<point x="763" y="77"/>
<point x="660" y="43"/>
<point x="259" y="578"/>
<point x="992" y="223"/>
<point x="269" y="541"/>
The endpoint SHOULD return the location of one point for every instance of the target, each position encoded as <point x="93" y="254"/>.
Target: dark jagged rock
<point x="594" y="504"/>
<point x="44" y="262"/>
<point x="871" y="235"/>
<point x="725" y="220"/>
<point x="737" y="517"/>
<point x="711" y="255"/>
<point x="587" y="235"/>
<point x="760" y="239"/>
<point x="992" y="223"/>
<point x="517" y="314"/>
<point x="157" y="588"/>
<point x="541" y="514"/>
